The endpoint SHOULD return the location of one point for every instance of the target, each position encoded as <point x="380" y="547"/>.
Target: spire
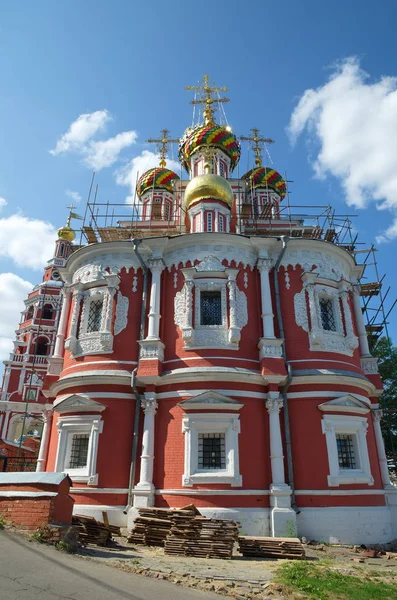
<point x="207" y="98"/>
<point x="66" y="232"/>
<point x="256" y="144"/>
<point x="163" y="144"/>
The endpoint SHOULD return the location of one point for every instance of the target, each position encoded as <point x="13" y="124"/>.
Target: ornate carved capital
<point x="264" y="264"/>
<point x="156" y="265"/>
<point x="149" y="404"/>
<point x="274" y="404"/>
<point x="377" y="414"/>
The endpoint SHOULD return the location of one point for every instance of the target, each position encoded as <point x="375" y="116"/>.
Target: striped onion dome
<point x="211" y="135"/>
<point x="156" y="179"/>
<point x="265" y="177"/>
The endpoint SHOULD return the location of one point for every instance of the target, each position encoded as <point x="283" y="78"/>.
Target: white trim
<point x="111" y="395"/>
<point x="332" y="425"/>
<point x="73" y="425"/>
<point x="227" y="423"/>
<point x="335" y="378"/>
<point x="233" y="492"/>
<point x="96" y="490"/>
<point x="325" y="360"/>
<point x="103" y="362"/>
<point x="16" y="494"/>
<point x="193" y="393"/>
<point x="212" y="357"/>
<point x="331" y="393"/>
<point x="339" y="492"/>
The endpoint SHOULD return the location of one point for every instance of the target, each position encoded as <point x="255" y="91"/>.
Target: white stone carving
<point x="94" y="343"/>
<point x="210" y="263"/>
<point x="370" y="365"/>
<point x="300" y="306"/>
<point x="326" y="265"/>
<point x="89" y="273"/>
<point x="245" y="280"/>
<point x="121" y="313"/>
<point x="107" y="263"/>
<point x="244" y="256"/>
<point x="151" y="350"/>
<point x="134" y="283"/>
<point x="287" y="279"/>
<point x="241" y="309"/>
<point x="175" y="279"/>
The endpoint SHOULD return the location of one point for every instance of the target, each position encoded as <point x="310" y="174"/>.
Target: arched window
<point x="29" y="313"/>
<point x="41" y="347"/>
<point x="47" y="312"/>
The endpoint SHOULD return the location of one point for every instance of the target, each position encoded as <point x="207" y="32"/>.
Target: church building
<point x="209" y="350"/>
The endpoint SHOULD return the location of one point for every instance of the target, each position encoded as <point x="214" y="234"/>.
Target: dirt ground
<point x="241" y="578"/>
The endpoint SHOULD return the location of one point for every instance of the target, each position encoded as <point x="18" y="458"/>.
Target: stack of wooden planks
<point x="91" y="531"/>
<point x="153" y="525"/>
<point x="270" y="547"/>
<point x="201" y="537"/>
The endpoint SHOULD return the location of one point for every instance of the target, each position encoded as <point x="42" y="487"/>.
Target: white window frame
<point x="210" y="222"/>
<point x="227" y="423"/>
<point x="335" y="309"/>
<point x="79" y="424"/>
<point x="92" y="296"/>
<point x="347" y="425"/>
<point x="210" y="286"/>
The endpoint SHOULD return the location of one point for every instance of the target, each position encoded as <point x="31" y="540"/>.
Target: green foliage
<point x="3" y="522"/>
<point x="388" y="371"/>
<point x="319" y="583"/>
<point x="65" y="547"/>
<point x="39" y="536"/>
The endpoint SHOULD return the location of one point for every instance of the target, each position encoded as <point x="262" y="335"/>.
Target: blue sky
<point x="128" y="63"/>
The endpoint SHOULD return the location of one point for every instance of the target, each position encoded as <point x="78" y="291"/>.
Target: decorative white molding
<point x="300" y="306"/>
<point x="121" y="319"/>
<point x="369" y="365"/>
<point x="210" y="263"/>
<point x="245" y="256"/>
<point x="270" y="348"/>
<point x="210" y="401"/>
<point x="134" y="284"/>
<point x="325" y="264"/>
<point x="73" y="403"/>
<point x="348" y="425"/>
<point x="151" y="350"/>
<point x="227" y="423"/>
<point x="345" y="404"/>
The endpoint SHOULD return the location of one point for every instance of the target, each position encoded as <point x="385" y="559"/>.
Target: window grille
<point x="222" y="168"/>
<point x="255" y="207"/>
<point x="94" y="316"/>
<point x="327" y="314"/>
<point x="346" y="451"/>
<point x="220" y="224"/>
<point x="209" y="221"/>
<point x="211" y="308"/>
<point x="79" y="451"/>
<point x="211" y="451"/>
<point x="167" y="210"/>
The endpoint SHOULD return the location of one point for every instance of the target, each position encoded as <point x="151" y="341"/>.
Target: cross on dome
<point x="207" y="92"/>
<point x="163" y="143"/>
<point x="256" y="141"/>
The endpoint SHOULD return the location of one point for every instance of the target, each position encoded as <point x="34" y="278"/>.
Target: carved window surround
<point x="226" y="423"/>
<point x="81" y="342"/>
<point x="357" y="428"/>
<point x="308" y="314"/>
<point x="210" y="275"/>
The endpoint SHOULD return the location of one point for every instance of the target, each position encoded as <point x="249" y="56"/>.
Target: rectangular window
<point x="346" y="451"/>
<point x="167" y="210"/>
<point x="79" y="451"/>
<point x="220" y="224"/>
<point x="222" y="168"/>
<point x="209" y="221"/>
<point x="94" y="316"/>
<point x="31" y="394"/>
<point x="211" y="451"/>
<point x="210" y="308"/>
<point x="327" y="314"/>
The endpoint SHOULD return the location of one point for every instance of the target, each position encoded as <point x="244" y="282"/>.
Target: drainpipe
<point x="290" y="467"/>
<point x="136" y="243"/>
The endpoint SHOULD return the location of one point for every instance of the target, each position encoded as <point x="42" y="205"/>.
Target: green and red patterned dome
<point x="211" y="135"/>
<point x="267" y="178"/>
<point x="156" y="179"/>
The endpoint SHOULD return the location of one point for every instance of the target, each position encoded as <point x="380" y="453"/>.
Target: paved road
<point x="32" y="571"/>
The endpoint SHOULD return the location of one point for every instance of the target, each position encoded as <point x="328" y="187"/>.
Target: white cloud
<point x="27" y="242"/>
<point x="105" y="153"/>
<point x="75" y="196"/>
<point x="354" y="123"/>
<point x="13" y="291"/>
<point x="82" y="130"/>
<point x="128" y="174"/>
<point x="96" y="154"/>
<point x="3" y="203"/>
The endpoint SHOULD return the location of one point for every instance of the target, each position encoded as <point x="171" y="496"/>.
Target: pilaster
<point x="144" y="491"/>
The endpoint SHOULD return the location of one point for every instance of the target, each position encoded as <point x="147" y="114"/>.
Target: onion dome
<point x="208" y="186"/>
<point x="209" y="135"/>
<point x="157" y="179"/>
<point x="266" y="178"/>
<point x="66" y="233"/>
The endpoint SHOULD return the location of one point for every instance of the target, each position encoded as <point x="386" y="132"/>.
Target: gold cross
<point x="70" y="207"/>
<point x="207" y="98"/>
<point x="256" y="141"/>
<point x="163" y="143"/>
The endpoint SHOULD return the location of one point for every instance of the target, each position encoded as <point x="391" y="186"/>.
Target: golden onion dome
<point x="66" y="233"/>
<point x="208" y="186"/>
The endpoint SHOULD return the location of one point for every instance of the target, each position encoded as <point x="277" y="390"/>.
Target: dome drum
<point x="264" y="177"/>
<point x="212" y="136"/>
<point x="156" y="179"/>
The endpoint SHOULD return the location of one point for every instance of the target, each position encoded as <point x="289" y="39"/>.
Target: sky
<point x="84" y="84"/>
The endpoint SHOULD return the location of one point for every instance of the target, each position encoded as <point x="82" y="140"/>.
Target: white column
<point x="156" y="267"/>
<point x="216" y="217"/>
<point x="63" y="321"/>
<point x="6" y="381"/>
<point x="5" y="424"/>
<point x="264" y="266"/>
<point x="202" y="224"/>
<point x="149" y="405"/>
<point x="77" y="297"/>
<point x="109" y="309"/>
<point x="377" y="416"/>
<point x="234" y="330"/>
<point x="45" y="438"/>
<point x="362" y="333"/>
<point x="274" y="404"/>
<point x="227" y="223"/>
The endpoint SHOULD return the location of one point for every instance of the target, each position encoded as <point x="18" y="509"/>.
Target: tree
<point x="387" y="354"/>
